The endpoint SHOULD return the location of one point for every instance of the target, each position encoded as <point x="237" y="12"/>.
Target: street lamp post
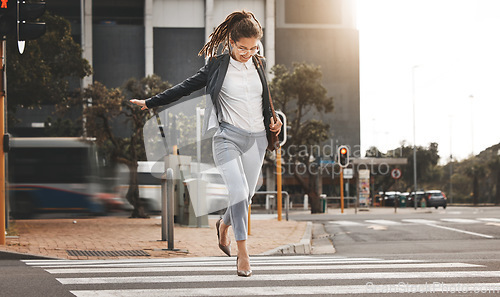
<point x="451" y="160"/>
<point x="414" y="142"/>
<point x="472" y="123"/>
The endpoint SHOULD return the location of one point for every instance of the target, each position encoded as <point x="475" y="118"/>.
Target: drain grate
<point x="133" y="253"/>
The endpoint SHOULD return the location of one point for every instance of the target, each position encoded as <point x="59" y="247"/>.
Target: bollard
<point x="167" y="208"/>
<point x="170" y="207"/>
<point x="164" y="207"/>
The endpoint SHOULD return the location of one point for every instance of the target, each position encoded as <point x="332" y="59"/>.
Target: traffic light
<point x="7" y="17"/>
<point x="283" y="135"/>
<point x="343" y="156"/>
<point x="26" y="28"/>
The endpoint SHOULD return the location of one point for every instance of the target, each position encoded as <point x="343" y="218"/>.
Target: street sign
<point x="396" y="173"/>
<point x="348" y="173"/>
<point x="283" y="133"/>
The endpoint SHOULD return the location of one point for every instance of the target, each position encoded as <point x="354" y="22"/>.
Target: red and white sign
<point x="396" y="173"/>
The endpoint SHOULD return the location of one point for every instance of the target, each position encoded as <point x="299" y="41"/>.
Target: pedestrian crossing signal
<point x="27" y="28"/>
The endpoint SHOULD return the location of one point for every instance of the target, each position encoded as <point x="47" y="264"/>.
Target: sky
<point x="444" y="54"/>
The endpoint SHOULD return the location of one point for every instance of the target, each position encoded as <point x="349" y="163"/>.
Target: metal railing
<point x="284" y="193"/>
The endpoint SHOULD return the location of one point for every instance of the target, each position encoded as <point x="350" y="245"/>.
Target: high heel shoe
<point x="225" y="248"/>
<point x="244" y="273"/>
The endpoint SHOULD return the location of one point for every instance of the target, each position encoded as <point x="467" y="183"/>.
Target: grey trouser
<point x="238" y="155"/>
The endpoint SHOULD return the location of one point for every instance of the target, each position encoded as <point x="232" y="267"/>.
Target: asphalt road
<point x="457" y="232"/>
<point x="452" y="252"/>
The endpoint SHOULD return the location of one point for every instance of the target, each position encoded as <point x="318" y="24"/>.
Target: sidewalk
<point x="54" y="237"/>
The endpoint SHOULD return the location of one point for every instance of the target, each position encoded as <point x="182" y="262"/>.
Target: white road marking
<point x="368" y="288"/>
<point x="490" y="220"/>
<point x="346" y="223"/>
<point x="460" y="221"/>
<point x="377" y="227"/>
<point x="461" y="231"/>
<point x="279" y="277"/>
<point x="419" y="221"/>
<point x="383" y="222"/>
<point x="284" y="268"/>
<point x="148" y="268"/>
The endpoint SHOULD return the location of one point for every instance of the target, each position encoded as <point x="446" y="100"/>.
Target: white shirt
<point x="241" y="97"/>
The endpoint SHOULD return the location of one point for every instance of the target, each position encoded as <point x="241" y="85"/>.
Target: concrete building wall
<point x="169" y="33"/>
<point x="323" y="33"/>
<point x="179" y="14"/>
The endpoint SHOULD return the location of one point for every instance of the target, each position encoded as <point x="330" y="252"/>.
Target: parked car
<point x="390" y="198"/>
<point x="435" y="198"/>
<point x="411" y="199"/>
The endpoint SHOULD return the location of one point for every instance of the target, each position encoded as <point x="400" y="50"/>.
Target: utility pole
<point x="2" y="153"/>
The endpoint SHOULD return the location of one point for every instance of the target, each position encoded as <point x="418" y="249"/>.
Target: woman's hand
<point x="141" y="103"/>
<point x="275" y="127"/>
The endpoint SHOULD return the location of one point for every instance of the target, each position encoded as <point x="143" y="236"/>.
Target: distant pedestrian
<point x="242" y="115"/>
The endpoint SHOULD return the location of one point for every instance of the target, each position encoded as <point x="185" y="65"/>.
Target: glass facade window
<point x="114" y="12"/>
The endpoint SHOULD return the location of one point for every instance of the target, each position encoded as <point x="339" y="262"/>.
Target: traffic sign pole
<point x="396" y="175"/>
<point x="342" y="190"/>
<point x="278" y="182"/>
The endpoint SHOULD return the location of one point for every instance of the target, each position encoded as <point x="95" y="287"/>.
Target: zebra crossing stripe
<point x="194" y="261"/>
<point x="279" y="277"/>
<point x="494" y="220"/>
<point x="384" y="222"/>
<point x="229" y="261"/>
<point x="369" y="288"/>
<point x="420" y="221"/>
<point x="346" y="223"/>
<point x="262" y="268"/>
<point x="461" y="221"/>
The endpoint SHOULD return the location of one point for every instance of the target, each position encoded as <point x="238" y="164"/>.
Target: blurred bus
<point x="49" y="175"/>
<point x="149" y="184"/>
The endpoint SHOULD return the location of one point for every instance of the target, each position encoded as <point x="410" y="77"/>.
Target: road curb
<point x="10" y="255"/>
<point x="303" y="247"/>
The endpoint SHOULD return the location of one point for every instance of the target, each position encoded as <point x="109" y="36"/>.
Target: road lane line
<point x="461" y="231"/>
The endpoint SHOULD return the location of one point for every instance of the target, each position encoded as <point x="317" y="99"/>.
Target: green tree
<point x="299" y="93"/>
<point x="428" y="170"/>
<point x="494" y="166"/>
<point x="41" y="75"/>
<point x="111" y="110"/>
<point x="476" y="172"/>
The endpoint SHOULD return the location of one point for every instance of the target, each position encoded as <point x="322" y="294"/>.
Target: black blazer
<point x="212" y="76"/>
